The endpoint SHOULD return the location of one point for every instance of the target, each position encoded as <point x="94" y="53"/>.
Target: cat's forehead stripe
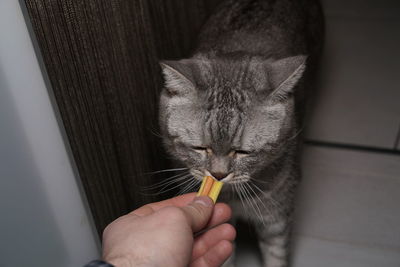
<point x="227" y="86"/>
<point x="226" y="102"/>
<point x="223" y="128"/>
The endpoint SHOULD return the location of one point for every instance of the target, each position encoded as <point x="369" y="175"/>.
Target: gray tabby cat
<point x="234" y="109"/>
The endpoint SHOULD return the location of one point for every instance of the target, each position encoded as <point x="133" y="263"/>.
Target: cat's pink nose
<point x="219" y="175"/>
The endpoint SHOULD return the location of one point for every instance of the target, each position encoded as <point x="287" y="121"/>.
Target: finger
<point x="199" y="212"/>
<point x="212" y="237"/>
<point x="215" y="256"/>
<point x="221" y="213"/>
<point x="179" y="201"/>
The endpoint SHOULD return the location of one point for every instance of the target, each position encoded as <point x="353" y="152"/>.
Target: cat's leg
<point x="274" y="244"/>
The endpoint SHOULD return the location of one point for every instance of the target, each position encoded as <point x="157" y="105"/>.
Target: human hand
<point x="161" y="234"/>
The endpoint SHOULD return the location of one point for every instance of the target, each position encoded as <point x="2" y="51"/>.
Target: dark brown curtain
<point x="102" y="60"/>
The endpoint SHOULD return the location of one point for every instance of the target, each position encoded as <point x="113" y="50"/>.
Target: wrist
<point x="119" y="262"/>
<point x="127" y="262"/>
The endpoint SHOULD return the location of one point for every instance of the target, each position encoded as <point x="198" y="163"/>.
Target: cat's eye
<point x="202" y="149"/>
<point x="242" y="152"/>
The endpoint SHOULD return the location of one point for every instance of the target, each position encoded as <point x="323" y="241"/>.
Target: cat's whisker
<point x="184" y="179"/>
<point x="265" y="195"/>
<point x="239" y="179"/>
<point x="166" y="184"/>
<point x="155" y="133"/>
<point x="259" y="181"/>
<point x="250" y="184"/>
<point x="259" y="200"/>
<point x="169" y="184"/>
<point x="259" y="189"/>
<point x="172" y="177"/>
<point x="268" y="197"/>
<point x="192" y="189"/>
<point x="247" y="197"/>
<point x="275" y="203"/>
<point x="165" y="181"/>
<point x="254" y="203"/>
<point x="189" y="187"/>
<point x="297" y="133"/>
<point x="248" y="200"/>
<point x="239" y="193"/>
<point x="197" y="173"/>
<point x="166" y="170"/>
<point x="287" y="143"/>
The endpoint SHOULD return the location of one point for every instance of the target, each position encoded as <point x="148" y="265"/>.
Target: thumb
<point x="199" y="212"/>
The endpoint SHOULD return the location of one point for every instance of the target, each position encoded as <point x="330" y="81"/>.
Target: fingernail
<point x="203" y="200"/>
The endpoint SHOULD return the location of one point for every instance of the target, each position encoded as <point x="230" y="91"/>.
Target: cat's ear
<point x="284" y="74"/>
<point x="178" y="77"/>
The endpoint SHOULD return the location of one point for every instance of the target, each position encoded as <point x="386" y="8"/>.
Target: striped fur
<point x="234" y="108"/>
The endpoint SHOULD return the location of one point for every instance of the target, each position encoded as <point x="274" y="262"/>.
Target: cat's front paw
<point x="275" y="263"/>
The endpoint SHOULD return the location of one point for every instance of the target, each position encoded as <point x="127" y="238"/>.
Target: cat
<point x="234" y="109"/>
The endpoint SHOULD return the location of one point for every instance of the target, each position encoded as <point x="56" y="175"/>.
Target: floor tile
<point x="358" y="97"/>
<point x="350" y="196"/>
<point x="383" y="9"/>
<point x="312" y="252"/>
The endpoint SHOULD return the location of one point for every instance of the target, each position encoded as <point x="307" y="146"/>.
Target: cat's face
<point x="228" y="118"/>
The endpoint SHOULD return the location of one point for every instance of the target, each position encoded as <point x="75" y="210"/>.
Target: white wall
<point x="43" y="216"/>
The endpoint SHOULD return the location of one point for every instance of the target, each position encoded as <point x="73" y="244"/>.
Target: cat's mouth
<point x="226" y="179"/>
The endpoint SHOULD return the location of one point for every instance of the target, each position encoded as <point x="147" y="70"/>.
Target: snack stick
<point x="216" y="188"/>
<point x="206" y="186"/>
<point x="210" y="187"/>
<point x="199" y="193"/>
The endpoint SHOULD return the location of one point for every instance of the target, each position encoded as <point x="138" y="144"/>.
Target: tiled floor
<point x="348" y="206"/>
<point x="350" y="196"/>
<point x="317" y="252"/>
<point x="348" y="211"/>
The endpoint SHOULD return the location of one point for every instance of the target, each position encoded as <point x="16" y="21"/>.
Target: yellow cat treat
<point x="210" y="187"/>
